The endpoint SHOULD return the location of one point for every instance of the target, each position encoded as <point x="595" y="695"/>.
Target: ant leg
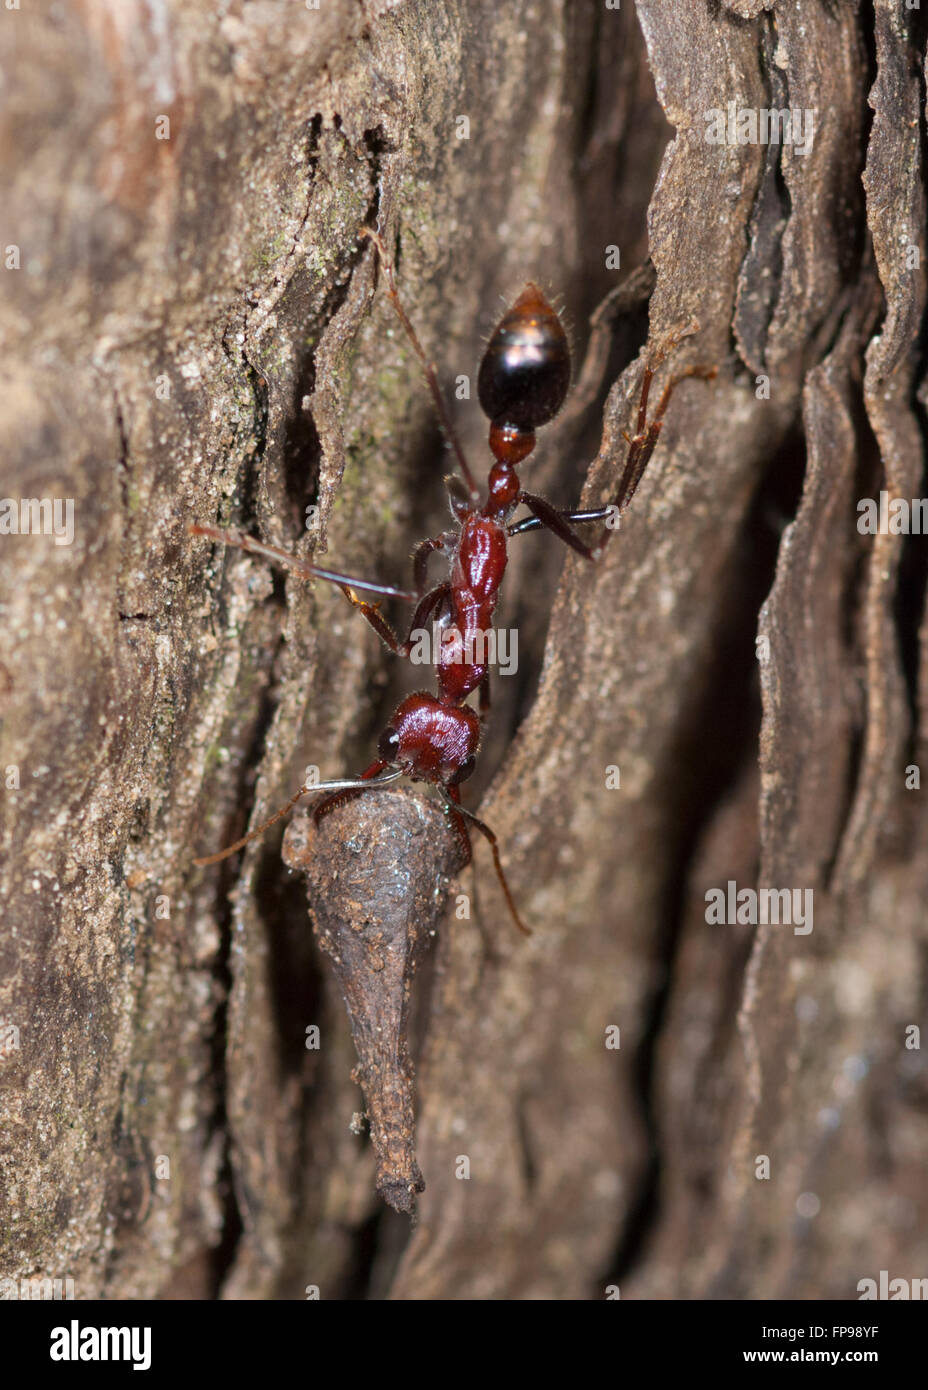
<point x="545" y="515"/>
<point x="345" y="582"/>
<point x="424" y="610"/>
<point x="427" y="604"/>
<point x="346" y="786"/>
<point x="372" y="614"/>
<point x="642" y="444"/>
<point x="301" y="567"/>
<point x="328" y="803"/>
<point x="532" y="523"/>
<point x="427" y="366"/>
<point x="420" y="556"/>
<point x="483" y="696"/>
<point x="452" y="796"/>
<point x="459" y="498"/>
<point x="459" y="825"/>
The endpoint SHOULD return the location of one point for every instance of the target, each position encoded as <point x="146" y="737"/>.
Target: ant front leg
<point x="328" y="803"/>
<point x="456" y="813"/>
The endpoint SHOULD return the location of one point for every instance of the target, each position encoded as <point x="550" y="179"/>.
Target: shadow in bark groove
<point x="912" y="589"/>
<point x="703" y="766"/>
<point x="301" y="451"/>
<point x="222" y="1256"/>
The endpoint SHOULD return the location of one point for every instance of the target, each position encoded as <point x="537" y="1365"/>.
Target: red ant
<point x="521" y="385"/>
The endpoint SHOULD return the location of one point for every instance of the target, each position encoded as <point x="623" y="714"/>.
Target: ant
<point x="521" y="385"/>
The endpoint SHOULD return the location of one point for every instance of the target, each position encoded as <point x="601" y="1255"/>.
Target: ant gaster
<point x="521" y="385"/>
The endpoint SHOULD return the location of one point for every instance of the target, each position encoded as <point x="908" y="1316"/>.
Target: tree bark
<point x="194" y="331"/>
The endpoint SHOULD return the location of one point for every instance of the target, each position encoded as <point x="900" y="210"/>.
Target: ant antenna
<point x="339" y="785"/>
<point x="427" y="366"/>
<point x="494" y="845"/>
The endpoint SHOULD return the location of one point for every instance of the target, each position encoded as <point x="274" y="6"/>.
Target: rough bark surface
<point x="192" y="330"/>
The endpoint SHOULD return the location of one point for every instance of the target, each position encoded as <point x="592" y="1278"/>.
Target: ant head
<point x="525" y="371"/>
<point x="388" y="745"/>
<point x="431" y="742"/>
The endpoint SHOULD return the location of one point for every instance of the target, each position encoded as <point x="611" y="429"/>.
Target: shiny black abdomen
<point x="525" y="371"/>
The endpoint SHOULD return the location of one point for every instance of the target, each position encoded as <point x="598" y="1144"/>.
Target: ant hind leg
<point x="428" y="368"/>
<point x="642" y="444"/>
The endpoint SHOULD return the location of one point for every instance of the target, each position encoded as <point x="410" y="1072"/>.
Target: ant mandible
<point x="521" y="385"/>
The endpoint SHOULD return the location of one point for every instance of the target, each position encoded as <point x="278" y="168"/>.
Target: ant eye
<point x="388" y="745"/>
<point x="525" y="371"/>
<point x="463" y="772"/>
